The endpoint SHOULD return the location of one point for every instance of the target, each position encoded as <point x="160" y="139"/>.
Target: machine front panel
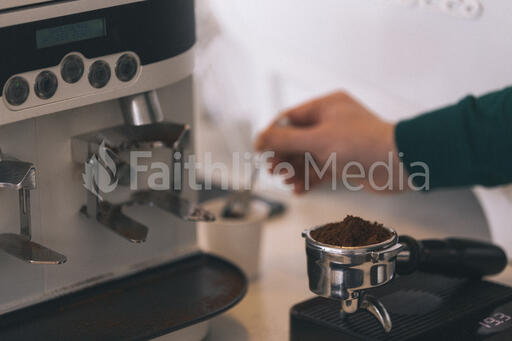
<point x="130" y="50"/>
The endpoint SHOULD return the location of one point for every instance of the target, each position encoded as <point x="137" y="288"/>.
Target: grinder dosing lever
<point x="348" y="273"/>
<point x="21" y="176"/>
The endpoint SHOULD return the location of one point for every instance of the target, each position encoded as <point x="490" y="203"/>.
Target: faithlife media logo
<point x="100" y="173"/>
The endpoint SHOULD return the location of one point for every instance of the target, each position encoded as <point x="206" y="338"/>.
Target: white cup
<point x="237" y="240"/>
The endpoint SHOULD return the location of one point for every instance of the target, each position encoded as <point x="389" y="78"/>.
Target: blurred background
<point x="399" y="57"/>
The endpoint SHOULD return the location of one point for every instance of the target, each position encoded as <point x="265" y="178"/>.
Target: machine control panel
<point x="75" y="76"/>
<point x="92" y="52"/>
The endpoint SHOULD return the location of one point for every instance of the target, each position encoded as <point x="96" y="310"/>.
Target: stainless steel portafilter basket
<point x="344" y="273"/>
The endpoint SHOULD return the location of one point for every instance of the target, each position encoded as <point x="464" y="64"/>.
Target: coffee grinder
<point x="85" y="85"/>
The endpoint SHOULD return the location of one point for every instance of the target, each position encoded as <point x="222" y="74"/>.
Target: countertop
<point x="264" y="312"/>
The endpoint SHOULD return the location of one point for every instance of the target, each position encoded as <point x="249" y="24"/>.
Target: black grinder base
<point x="422" y="307"/>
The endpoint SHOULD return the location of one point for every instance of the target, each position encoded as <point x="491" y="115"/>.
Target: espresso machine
<point x="96" y="243"/>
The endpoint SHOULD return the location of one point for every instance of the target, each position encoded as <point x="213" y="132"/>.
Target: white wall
<point x="400" y="57"/>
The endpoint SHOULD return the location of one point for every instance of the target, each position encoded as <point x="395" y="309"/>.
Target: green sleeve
<point x="469" y="143"/>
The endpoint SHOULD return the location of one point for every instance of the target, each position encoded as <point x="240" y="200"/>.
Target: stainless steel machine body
<point x="70" y="70"/>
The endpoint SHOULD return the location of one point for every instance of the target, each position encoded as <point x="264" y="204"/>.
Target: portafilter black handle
<point x="451" y="257"/>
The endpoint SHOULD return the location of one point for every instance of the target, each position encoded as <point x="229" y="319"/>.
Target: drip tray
<point x="152" y="303"/>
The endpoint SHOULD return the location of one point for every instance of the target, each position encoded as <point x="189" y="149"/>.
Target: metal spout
<point x="377" y="309"/>
<point x="142" y="109"/>
<point x="371" y="304"/>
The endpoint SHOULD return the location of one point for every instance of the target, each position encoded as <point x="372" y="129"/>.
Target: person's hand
<point x="336" y="123"/>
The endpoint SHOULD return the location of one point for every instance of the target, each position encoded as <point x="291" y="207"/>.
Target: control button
<point x="126" y="67"/>
<point x="46" y="85"/>
<point x="17" y="91"/>
<point x="72" y="69"/>
<point x="99" y="74"/>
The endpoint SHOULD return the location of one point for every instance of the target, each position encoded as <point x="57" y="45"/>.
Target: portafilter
<point x="348" y="274"/>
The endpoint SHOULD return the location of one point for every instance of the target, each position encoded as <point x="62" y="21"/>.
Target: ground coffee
<point x="352" y="231"/>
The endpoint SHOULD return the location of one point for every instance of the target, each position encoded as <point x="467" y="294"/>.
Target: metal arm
<point x="21" y="176"/>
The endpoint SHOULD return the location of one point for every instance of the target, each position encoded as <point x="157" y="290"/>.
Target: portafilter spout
<point x="377" y="309"/>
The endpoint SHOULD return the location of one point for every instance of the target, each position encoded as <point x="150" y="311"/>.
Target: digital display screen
<point x="70" y="33"/>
